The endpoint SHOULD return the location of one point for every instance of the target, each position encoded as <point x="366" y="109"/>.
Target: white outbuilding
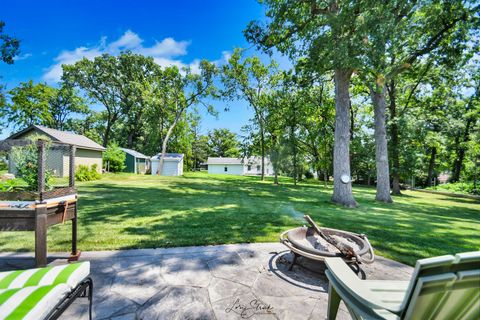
<point x="239" y="166"/>
<point x="172" y="164"/>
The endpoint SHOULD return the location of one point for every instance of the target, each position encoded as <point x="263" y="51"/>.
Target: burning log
<point x="343" y="247"/>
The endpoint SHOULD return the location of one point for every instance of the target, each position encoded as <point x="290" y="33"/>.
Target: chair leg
<point x="90" y="298"/>
<point x="333" y="302"/>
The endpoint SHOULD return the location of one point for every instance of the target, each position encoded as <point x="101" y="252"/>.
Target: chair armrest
<point x="350" y="283"/>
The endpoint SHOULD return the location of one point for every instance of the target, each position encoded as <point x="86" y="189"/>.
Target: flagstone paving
<point x="214" y="282"/>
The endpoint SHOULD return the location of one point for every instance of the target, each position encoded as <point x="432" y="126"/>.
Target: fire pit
<point x="319" y="243"/>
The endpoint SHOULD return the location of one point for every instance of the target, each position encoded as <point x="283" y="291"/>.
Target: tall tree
<point x="250" y="79"/>
<point x="325" y="34"/>
<point x="9" y="46"/>
<point x="136" y="73"/>
<point x="223" y="143"/>
<point x="178" y="91"/>
<point x="200" y="148"/>
<point x="64" y="104"/>
<point x="469" y="114"/>
<point x="99" y="79"/>
<point x="121" y="84"/>
<point x="403" y="32"/>
<point x="43" y="105"/>
<point x="30" y="105"/>
<point x="317" y="125"/>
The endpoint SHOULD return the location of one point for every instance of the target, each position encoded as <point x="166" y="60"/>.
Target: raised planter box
<point x="36" y="211"/>
<point x="22" y="195"/>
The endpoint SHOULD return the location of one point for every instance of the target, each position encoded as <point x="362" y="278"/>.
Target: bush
<point x="456" y="187"/>
<point x="308" y="174"/>
<point x="84" y="173"/>
<point x="8" y="185"/>
<point x="114" y="158"/>
<point x="3" y="165"/>
<point x="26" y="163"/>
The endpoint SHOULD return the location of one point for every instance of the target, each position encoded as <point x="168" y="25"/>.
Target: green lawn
<point x="131" y="211"/>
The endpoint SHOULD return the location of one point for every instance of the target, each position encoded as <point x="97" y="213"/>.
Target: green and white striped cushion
<point x="31" y="303"/>
<point x="70" y="274"/>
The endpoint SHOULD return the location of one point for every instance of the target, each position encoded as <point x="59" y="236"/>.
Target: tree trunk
<point x="294" y="151"/>
<point x="431" y="166"/>
<point x="130" y="141"/>
<point x="460" y="151"/>
<point x="165" y="142"/>
<point x="274" y="157"/>
<point x="106" y="136"/>
<point x="381" y="149"/>
<point x="295" y="173"/>
<point x="352" y="119"/>
<point x="394" y="141"/>
<point x="342" y="192"/>
<point x="262" y="138"/>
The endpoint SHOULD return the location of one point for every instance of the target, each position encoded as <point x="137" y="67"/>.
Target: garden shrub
<point x="308" y="174"/>
<point x="3" y="165"/>
<point x="26" y="164"/>
<point x="85" y="173"/>
<point x="456" y="187"/>
<point x="8" y="185"/>
<point x="114" y="158"/>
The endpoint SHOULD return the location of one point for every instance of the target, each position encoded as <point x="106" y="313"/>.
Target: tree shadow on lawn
<point x="173" y="215"/>
<point x="461" y="200"/>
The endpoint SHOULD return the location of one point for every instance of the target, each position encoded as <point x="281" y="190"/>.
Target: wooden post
<point x="74" y="254"/>
<point x="71" y="177"/>
<point x="74" y="232"/>
<point x="41" y="235"/>
<point x="41" y="167"/>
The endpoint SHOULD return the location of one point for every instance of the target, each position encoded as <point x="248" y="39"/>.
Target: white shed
<point x="239" y="166"/>
<point x="172" y="164"/>
<point x="225" y="165"/>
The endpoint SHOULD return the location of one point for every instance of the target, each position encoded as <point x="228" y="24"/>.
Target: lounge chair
<point x="43" y="293"/>
<point x="445" y="287"/>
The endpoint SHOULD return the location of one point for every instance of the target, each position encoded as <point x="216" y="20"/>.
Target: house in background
<point x="172" y="164"/>
<point x="88" y="152"/>
<point x="135" y="162"/>
<point x="239" y="166"/>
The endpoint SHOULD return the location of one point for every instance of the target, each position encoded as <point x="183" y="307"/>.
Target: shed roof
<point x="255" y="160"/>
<point x="134" y="153"/>
<point x="221" y="160"/>
<point x="169" y="156"/>
<point x="77" y="140"/>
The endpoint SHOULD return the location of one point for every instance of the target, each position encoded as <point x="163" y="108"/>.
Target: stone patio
<point x="215" y="282"/>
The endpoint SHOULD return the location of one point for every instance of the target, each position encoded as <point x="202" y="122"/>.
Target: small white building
<point x="172" y="164"/>
<point x="239" y="166"/>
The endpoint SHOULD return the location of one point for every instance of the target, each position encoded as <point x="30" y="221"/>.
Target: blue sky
<point x="173" y="32"/>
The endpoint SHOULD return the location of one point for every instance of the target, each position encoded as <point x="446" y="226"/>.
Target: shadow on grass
<point x="194" y="213"/>
<point x="151" y="212"/>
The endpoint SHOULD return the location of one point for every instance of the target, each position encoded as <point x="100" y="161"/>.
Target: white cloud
<point x="54" y="73"/>
<point x="22" y="56"/>
<point x="165" y="53"/>
<point x="226" y="55"/>
<point x="168" y="47"/>
<point x="129" y="40"/>
<point x="165" y="62"/>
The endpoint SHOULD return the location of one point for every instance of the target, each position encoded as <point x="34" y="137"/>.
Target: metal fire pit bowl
<point x="301" y="241"/>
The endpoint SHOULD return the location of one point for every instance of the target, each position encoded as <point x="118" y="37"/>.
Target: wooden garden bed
<point x="36" y="211"/>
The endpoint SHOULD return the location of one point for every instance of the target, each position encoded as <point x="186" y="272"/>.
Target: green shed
<point x="135" y="162"/>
